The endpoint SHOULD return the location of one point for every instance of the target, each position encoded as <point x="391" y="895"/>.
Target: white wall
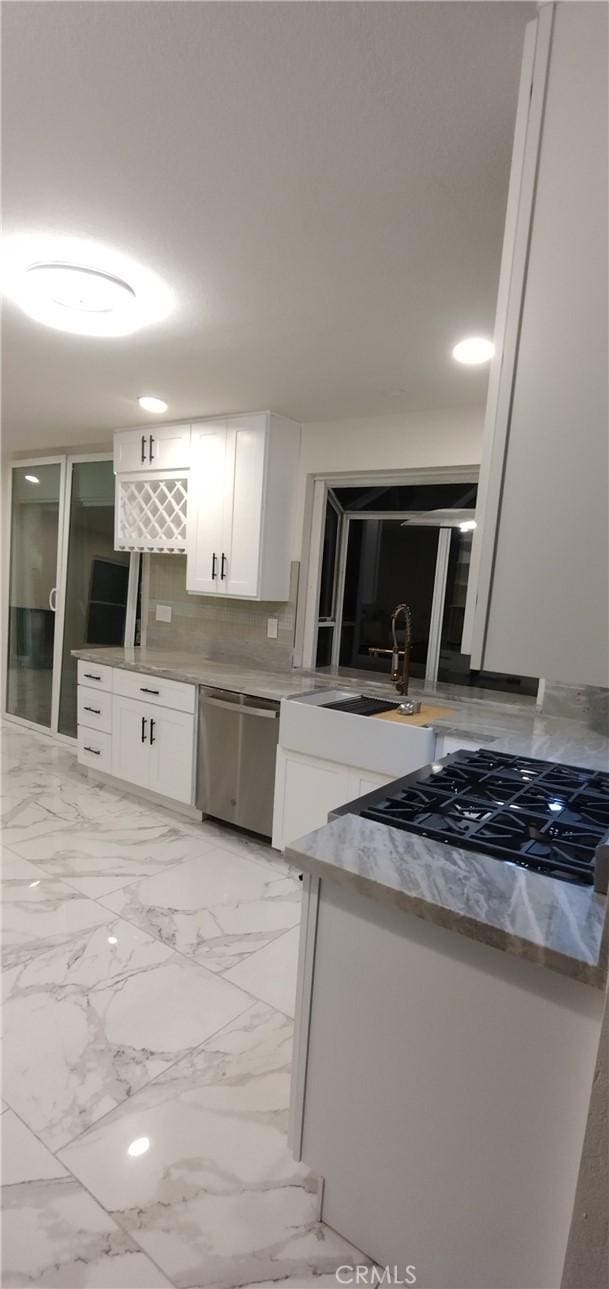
<point x="404" y="441"/>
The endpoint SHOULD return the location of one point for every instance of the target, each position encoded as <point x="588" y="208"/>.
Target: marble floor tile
<point x="131" y="845"/>
<point x="116" y="1030"/>
<point x="197" y="1169"/>
<point x="41" y="912"/>
<point x="55" y="1236"/>
<point x="96" y="1016"/>
<point x="217" y="908"/>
<point x="16" y="868"/>
<point x="270" y="973"/>
<point x="24" y="1158"/>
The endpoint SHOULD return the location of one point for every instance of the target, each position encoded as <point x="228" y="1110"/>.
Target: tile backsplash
<point x="233" y="631"/>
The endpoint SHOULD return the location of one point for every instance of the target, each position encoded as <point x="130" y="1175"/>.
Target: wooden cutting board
<point x="426" y="715"/>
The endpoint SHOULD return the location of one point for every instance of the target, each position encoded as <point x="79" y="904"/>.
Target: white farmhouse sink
<point x="385" y="747"/>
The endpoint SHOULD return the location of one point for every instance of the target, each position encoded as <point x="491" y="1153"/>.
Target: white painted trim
<point x="512" y="276"/>
<point x="22" y="464"/>
<point x="63" y="541"/>
<point x="437" y="607"/>
<point x="302" y="1019"/>
<point x="313" y="579"/>
<point x="403" y="477"/>
<point x="339" y="590"/>
<point x="134" y="573"/>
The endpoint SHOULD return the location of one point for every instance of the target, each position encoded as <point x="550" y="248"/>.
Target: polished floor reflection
<point x="149" y="969"/>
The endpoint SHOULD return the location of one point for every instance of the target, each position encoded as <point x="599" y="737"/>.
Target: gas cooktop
<point x="538" y="814"/>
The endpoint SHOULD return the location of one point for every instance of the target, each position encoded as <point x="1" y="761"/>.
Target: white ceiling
<point x="323" y="186"/>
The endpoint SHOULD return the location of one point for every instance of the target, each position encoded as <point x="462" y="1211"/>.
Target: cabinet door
<point x="167" y="447"/>
<point x="205" y="508"/>
<point x="171" y="753"/>
<point x="369" y="782"/>
<point x="130" y="745"/>
<point x="311" y="789"/>
<point x="244" y="495"/>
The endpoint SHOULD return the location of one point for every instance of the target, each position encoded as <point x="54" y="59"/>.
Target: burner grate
<point x="537" y="814"/>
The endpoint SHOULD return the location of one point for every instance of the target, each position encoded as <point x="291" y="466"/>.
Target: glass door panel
<point x="388" y="563"/>
<point x="35" y="511"/>
<point x="97" y="577"/>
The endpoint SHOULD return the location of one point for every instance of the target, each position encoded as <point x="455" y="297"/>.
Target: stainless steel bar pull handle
<point x="152" y="738"/>
<point x="143" y="690"/>
<point x="90" y="675"/>
<point x="239" y="710"/>
<point x="144" y="724"/>
<point x="214" y="567"/>
<point x="94" y="750"/>
<point x="222" y="567"/>
<point x="150" y="442"/>
<point x="143" y="451"/>
<point x="96" y="710"/>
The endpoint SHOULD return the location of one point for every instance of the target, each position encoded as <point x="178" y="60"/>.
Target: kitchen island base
<point x="441" y="1089"/>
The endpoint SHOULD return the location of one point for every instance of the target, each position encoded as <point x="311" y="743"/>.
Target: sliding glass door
<point x="68" y="587"/>
<point x="36" y="506"/>
<point x="94" y="606"/>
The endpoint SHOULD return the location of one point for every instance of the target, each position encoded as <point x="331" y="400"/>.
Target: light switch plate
<point x="163" y="613"/>
<point x="272" y="627"/>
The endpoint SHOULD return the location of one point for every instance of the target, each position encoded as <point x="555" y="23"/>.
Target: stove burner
<point x="536" y="814"/>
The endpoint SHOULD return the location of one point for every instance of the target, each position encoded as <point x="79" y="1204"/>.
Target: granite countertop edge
<point x="568" y="928"/>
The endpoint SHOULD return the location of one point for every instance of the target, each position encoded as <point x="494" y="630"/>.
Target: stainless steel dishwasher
<point x="237" y="751"/>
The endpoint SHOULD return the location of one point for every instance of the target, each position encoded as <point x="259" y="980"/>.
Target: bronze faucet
<point x="401" y="678"/>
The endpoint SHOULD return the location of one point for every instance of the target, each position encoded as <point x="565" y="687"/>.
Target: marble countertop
<point x="549" y="921"/>
<point x="174" y="665"/>
<point x="552" y="923"/>
<point x="504" y="721"/>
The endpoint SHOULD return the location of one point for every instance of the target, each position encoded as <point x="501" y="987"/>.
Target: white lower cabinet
<point x="308" y="788"/>
<point x="95" y="749"/>
<point x="145" y="741"/>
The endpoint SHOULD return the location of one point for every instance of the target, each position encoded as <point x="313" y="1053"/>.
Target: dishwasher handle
<point x="239" y="710"/>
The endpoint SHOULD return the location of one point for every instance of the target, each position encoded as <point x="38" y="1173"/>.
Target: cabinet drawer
<point x="95" y="709"/>
<point x="153" y="689"/>
<point x="95" y="749"/>
<point x="94" y="675"/>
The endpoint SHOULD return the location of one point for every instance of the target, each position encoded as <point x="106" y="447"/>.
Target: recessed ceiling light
<point x="32" y="478"/>
<point x="474" y="350"/>
<point x="112" y="939"/>
<point x="151" y="404"/>
<point x="79" y="286"/>
<point x="138" y="1147"/>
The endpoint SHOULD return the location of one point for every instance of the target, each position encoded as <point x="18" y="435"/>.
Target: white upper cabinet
<point x="206" y="507"/>
<point x="240" y="504"/>
<point x="166" y="447"/>
<point x="538" y="596"/>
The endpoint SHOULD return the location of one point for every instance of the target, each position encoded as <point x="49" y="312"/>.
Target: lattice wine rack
<point x="151" y="514"/>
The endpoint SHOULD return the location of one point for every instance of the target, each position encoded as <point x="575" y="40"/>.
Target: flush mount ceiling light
<point x="82" y="287"/>
<point x="151" y="404"/>
<point x="473" y="351"/>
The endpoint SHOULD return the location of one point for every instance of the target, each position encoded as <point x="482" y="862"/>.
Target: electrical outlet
<point x="272" y="627"/>
<point x="163" y="613"/>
